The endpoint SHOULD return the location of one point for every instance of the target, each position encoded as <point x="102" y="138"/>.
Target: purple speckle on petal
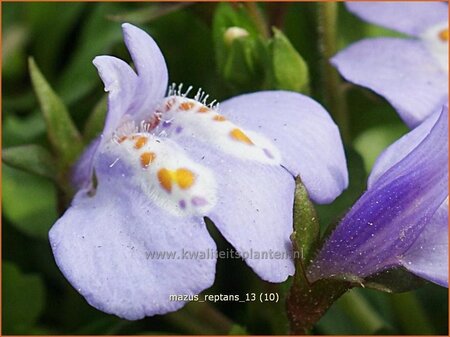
<point x="178" y="129"/>
<point x="199" y="201"/>
<point x="166" y="124"/>
<point x="182" y="204"/>
<point x="268" y="153"/>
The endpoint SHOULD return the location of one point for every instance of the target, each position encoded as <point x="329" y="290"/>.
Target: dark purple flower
<point x="411" y="73"/>
<point x="402" y="219"/>
<point x="162" y="164"/>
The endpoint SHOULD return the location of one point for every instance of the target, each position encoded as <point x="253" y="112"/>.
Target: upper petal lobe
<point x="403" y="71"/>
<point x="151" y="69"/>
<point x="407" y="17"/>
<point x="305" y="134"/>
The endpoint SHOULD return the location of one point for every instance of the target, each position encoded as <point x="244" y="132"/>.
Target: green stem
<point x="255" y="14"/>
<point x="362" y="313"/>
<point x="307" y="302"/>
<point x="333" y="91"/>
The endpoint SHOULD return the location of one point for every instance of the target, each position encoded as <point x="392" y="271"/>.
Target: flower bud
<point x="234" y="33"/>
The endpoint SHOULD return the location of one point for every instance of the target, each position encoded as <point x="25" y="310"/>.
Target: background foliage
<point x="63" y="38"/>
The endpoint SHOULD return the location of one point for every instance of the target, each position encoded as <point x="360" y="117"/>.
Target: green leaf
<point x="226" y="16"/>
<point x="363" y="314"/>
<point x="237" y="330"/>
<point x="96" y="37"/>
<point x="62" y="133"/>
<point x="22" y="130"/>
<point x="13" y="51"/>
<point x="148" y="13"/>
<point x="306" y="224"/>
<point x="105" y="326"/>
<point x="410" y="315"/>
<point x="29" y="202"/>
<point x="243" y="68"/>
<point x="31" y="158"/>
<point x="240" y="58"/>
<point x="306" y="302"/>
<point x="373" y="141"/>
<point x="289" y="70"/>
<point x="53" y="34"/>
<point x="395" y="280"/>
<point x="23" y="299"/>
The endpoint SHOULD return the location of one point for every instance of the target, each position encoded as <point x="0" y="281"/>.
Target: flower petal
<point x="407" y="17"/>
<point x="390" y="216"/>
<point x="107" y="246"/>
<point x="84" y="167"/>
<point x="151" y="68"/>
<point x="121" y="84"/>
<point x="403" y="71"/>
<point x="130" y="97"/>
<point x="402" y="147"/>
<point x="254" y="209"/>
<point x="428" y="256"/>
<point x="308" y="139"/>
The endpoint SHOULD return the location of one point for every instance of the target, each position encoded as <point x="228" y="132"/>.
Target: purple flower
<point x="136" y="234"/>
<point x="411" y="73"/>
<point x="402" y="219"/>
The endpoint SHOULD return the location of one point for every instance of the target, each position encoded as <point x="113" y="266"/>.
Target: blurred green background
<point x="63" y="38"/>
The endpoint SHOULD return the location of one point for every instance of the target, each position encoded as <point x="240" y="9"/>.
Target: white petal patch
<point x="163" y="170"/>
<point x="181" y="116"/>
<point x="436" y="40"/>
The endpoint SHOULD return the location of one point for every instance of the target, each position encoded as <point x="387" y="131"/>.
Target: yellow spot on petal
<point x="165" y="179"/>
<point x="240" y="136"/>
<point x="140" y="142"/>
<point x="203" y="109"/>
<point x="443" y="35"/>
<point x="147" y="158"/>
<point x="185" y="178"/>
<point x="186" y="106"/>
<point x="219" y="118"/>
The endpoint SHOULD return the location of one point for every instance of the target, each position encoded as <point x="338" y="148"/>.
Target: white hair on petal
<point x="201" y="96"/>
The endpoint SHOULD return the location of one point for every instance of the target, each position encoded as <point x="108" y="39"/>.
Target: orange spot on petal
<point x="147" y="158"/>
<point x="219" y="118"/>
<point x="140" y="142"/>
<point x="185" y="178"/>
<point x="203" y="109"/>
<point x="165" y="179"/>
<point x="186" y="106"/>
<point x="240" y="136"/>
<point x="443" y="35"/>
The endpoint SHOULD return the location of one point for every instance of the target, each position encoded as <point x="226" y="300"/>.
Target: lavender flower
<point x="162" y="164"/>
<point x="411" y="73"/>
<point x="402" y="219"/>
